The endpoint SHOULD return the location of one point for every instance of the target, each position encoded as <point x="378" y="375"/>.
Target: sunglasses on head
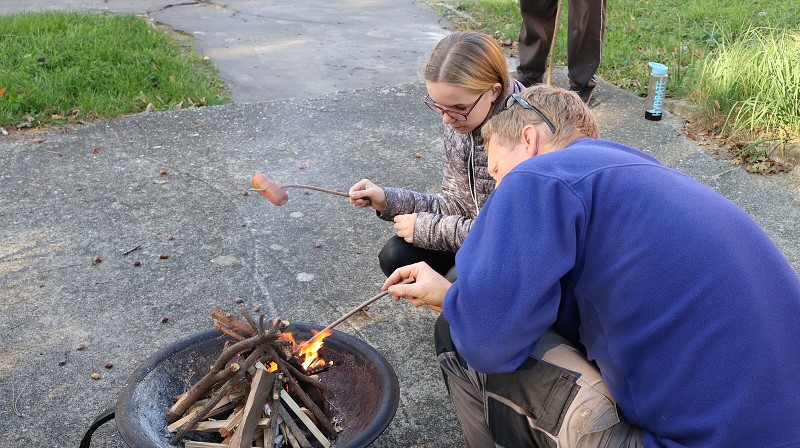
<point x="516" y="98"/>
<point x="454" y="114"/>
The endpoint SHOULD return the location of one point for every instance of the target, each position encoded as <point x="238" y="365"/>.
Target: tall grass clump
<point x="61" y="66"/>
<point x="752" y="84"/>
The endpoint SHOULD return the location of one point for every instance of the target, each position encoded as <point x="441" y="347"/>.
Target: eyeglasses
<point x="516" y="98"/>
<point x="454" y="114"/>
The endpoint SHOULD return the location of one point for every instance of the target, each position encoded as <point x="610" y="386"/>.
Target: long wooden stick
<point x="359" y="308"/>
<point x="553" y="45"/>
<point x="324" y="190"/>
<point x="310" y="187"/>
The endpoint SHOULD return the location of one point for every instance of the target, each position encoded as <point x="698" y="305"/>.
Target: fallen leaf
<point x="2" y="91"/>
<point x="96" y="149"/>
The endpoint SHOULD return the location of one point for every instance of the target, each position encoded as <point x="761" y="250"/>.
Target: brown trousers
<point x="556" y="399"/>
<point x="586" y="26"/>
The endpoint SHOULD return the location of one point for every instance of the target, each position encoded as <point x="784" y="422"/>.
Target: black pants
<point x="586" y="25"/>
<point x="397" y="253"/>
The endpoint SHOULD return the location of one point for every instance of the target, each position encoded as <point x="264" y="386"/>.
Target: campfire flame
<point x="307" y="351"/>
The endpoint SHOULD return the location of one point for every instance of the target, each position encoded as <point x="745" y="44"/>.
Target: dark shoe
<point x="584" y="92"/>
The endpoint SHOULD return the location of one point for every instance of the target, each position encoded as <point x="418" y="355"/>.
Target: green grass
<point x="58" y="66"/>
<point x="705" y="44"/>
<point x="753" y="81"/>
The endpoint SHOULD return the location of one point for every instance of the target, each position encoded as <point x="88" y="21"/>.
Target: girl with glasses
<point x="467" y="80"/>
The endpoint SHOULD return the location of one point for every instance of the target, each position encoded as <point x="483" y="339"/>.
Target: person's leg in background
<point x="556" y="397"/>
<point x="586" y="29"/>
<point x="535" y="36"/>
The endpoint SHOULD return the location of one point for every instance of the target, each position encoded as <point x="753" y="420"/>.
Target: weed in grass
<point x="758" y="157"/>
<point x="62" y="66"/>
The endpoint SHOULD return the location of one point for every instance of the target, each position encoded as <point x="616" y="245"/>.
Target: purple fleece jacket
<point x="688" y="308"/>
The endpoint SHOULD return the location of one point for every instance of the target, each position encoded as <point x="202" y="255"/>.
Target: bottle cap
<point x="658" y="69"/>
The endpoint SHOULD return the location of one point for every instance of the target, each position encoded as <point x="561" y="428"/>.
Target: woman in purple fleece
<point x="666" y="298"/>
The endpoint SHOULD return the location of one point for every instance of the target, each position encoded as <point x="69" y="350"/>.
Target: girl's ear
<point x="496" y="92"/>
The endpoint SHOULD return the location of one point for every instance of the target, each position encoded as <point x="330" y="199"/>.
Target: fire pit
<point x="364" y="390"/>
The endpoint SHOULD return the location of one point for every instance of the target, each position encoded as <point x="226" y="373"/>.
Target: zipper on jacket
<point x="471" y="173"/>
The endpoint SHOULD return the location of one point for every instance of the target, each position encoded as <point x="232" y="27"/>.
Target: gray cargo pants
<point x="556" y="399"/>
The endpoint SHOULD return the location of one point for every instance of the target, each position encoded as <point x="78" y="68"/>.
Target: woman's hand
<point x="404" y="226"/>
<point x="428" y="289"/>
<point x="365" y="193"/>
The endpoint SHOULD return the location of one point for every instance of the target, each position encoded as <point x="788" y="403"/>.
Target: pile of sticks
<point x="249" y="391"/>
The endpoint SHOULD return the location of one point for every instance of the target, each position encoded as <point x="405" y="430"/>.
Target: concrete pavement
<point x="96" y="190"/>
<point x="270" y="49"/>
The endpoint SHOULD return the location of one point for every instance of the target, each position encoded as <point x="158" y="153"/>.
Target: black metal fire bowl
<point x="363" y="387"/>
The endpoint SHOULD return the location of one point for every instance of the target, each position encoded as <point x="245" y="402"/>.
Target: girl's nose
<point x="447" y="119"/>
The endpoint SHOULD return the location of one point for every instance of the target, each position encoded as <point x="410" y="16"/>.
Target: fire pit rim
<point x="131" y="432"/>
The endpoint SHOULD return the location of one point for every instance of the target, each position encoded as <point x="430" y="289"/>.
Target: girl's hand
<point x="365" y="193"/>
<point x="428" y="289"/>
<point x="404" y="226"/>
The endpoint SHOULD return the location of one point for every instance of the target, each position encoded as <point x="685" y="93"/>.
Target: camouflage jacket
<point x="444" y="219"/>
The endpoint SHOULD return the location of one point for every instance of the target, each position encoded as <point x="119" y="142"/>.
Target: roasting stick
<point x="357" y="309"/>
<point x="310" y="187"/>
<point x="277" y="194"/>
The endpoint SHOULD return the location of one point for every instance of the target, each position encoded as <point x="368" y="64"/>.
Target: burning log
<point x="250" y="383"/>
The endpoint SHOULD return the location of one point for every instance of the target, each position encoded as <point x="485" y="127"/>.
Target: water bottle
<point x="656" y="88"/>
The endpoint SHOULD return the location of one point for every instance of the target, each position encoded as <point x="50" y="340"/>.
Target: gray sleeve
<point x="441" y="232"/>
<point x="455" y="198"/>
<point x="443" y="219"/>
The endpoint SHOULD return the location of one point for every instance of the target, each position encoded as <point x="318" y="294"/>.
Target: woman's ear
<point x="530" y="135"/>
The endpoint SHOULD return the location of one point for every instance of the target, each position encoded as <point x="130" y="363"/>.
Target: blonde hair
<point x="569" y="115"/>
<point x="472" y="61"/>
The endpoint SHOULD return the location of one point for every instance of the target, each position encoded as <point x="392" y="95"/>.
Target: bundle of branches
<point x="251" y="384"/>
